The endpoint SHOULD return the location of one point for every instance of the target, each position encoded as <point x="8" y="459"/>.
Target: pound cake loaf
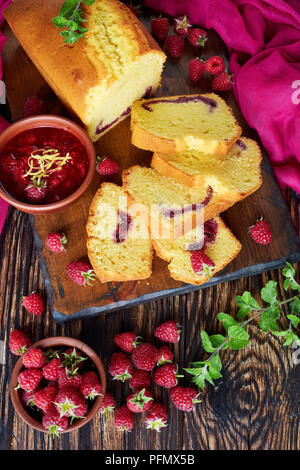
<point x="119" y="246"/>
<point x="235" y="176"/>
<point x="175" y="124"/>
<point x="199" y="255"/>
<point x="116" y="62"/>
<point x="173" y="208"/>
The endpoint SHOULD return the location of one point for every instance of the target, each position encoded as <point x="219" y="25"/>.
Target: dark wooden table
<point x="255" y="406"/>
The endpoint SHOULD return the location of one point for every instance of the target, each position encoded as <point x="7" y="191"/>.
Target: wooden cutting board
<point x="69" y="301"/>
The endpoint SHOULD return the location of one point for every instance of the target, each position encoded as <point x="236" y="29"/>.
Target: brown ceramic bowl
<point x="60" y="123"/>
<point x="58" y="341"/>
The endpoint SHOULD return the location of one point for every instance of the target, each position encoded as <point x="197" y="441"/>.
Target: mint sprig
<point x="236" y="335"/>
<point x="70" y="17"/>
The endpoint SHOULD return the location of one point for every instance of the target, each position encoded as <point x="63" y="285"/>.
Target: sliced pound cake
<point x="198" y="256"/>
<point x="119" y="246"/>
<point x="116" y="62"/>
<point x="174" y="209"/>
<point x="189" y="122"/>
<point x="235" y="176"/>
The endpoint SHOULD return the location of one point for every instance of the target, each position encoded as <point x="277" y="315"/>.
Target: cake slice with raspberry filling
<point x="119" y="246"/>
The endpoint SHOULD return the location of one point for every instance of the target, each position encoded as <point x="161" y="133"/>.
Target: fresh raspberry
<point x="69" y="378"/>
<point x="50" y="371"/>
<point x="165" y="355"/>
<point x="90" y="387"/>
<point x="34" y="304"/>
<point x="139" y="401"/>
<point x="124" y="419"/>
<point x="160" y="28"/>
<point x="182" y="25"/>
<point x="56" y="242"/>
<point x="215" y="65"/>
<point x="27" y="396"/>
<point x="105" y="166"/>
<point x="197" y="37"/>
<point x="157" y="417"/>
<point x="196" y="69"/>
<point x="74" y="359"/>
<point x="175" y="46"/>
<point x="120" y="367"/>
<point x="34" y="106"/>
<point x="184" y="397"/>
<point x="80" y="272"/>
<point x="140" y="379"/>
<point x="201" y="263"/>
<point x="261" y="232"/>
<point x="29" y="379"/>
<point x="36" y="192"/>
<point x="144" y="356"/>
<point x="127" y="341"/>
<point x="166" y="376"/>
<point x="44" y="398"/>
<point x="18" y="342"/>
<point x="53" y="423"/>
<point x="222" y="82"/>
<point x="107" y="405"/>
<point x="168" y="332"/>
<point x="70" y="402"/>
<point x="34" y="358"/>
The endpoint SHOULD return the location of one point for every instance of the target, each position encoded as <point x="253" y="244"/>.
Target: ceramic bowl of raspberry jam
<point x="46" y="163"/>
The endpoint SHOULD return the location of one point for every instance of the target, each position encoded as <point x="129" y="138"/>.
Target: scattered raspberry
<point x="34" y="304"/>
<point x="70" y="402"/>
<point x="157" y="417"/>
<point x="196" y="69"/>
<point x="197" y="37"/>
<point x="139" y="401"/>
<point x="215" y="65"/>
<point x="165" y="355"/>
<point x="29" y="379"/>
<point x="144" y="356"/>
<point x="56" y="242"/>
<point x="107" y="405"/>
<point x="105" y="166"/>
<point x="140" y="379"/>
<point x="160" y="28"/>
<point x="50" y="371"/>
<point x="261" y="232"/>
<point x="53" y="423"/>
<point x="222" y="82"/>
<point x="34" y="106"/>
<point x="34" y="358"/>
<point x="120" y="367"/>
<point x="69" y="378"/>
<point x="184" y="397"/>
<point x="182" y="25"/>
<point x="44" y="398"/>
<point x="166" y="376"/>
<point x="127" y="341"/>
<point x="80" y="272"/>
<point x="168" y="332"/>
<point x="175" y="46"/>
<point x="90" y="387"/>
<point x="18" y="342"/>
<point x="124" y="419"/>
<point x="201" y="263"/>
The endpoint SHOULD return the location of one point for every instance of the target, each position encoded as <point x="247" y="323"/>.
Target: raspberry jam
<point x="43" y="165"/>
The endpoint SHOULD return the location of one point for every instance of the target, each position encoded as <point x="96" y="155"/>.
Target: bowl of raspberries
<point x="58" y="383"/>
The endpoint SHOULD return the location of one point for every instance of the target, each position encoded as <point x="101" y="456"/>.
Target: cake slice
<point x="173" y="208"/>
<point x="189" y="122"/>
<point x="214" y="240"/>
<point x="116" y="62"/>
<point x="235" y="176"/>
<point x="119" y="246"/>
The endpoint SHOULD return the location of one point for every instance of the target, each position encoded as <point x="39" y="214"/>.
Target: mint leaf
<point x="280" y="333"/>
<point x="226" y="320"/>
<point x="207" y="345"/>
<point x="268" y="318"/>
<point x="246" y="303"/>
<point x="289" y="270"/>
<point x="269" y="292"/>
<point x="294" y="320"/>
<point x="214" y="373"/>
<point x="88" y="2"/>
<point x="217" y="340"/>
<point x="60" y="21"/>
<point x="200" y="375"/>
<point x="68" y="7"/>
<point x="239" y="338"/>
<point x="295" y="306"/>
<point x="216" y="362"/>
